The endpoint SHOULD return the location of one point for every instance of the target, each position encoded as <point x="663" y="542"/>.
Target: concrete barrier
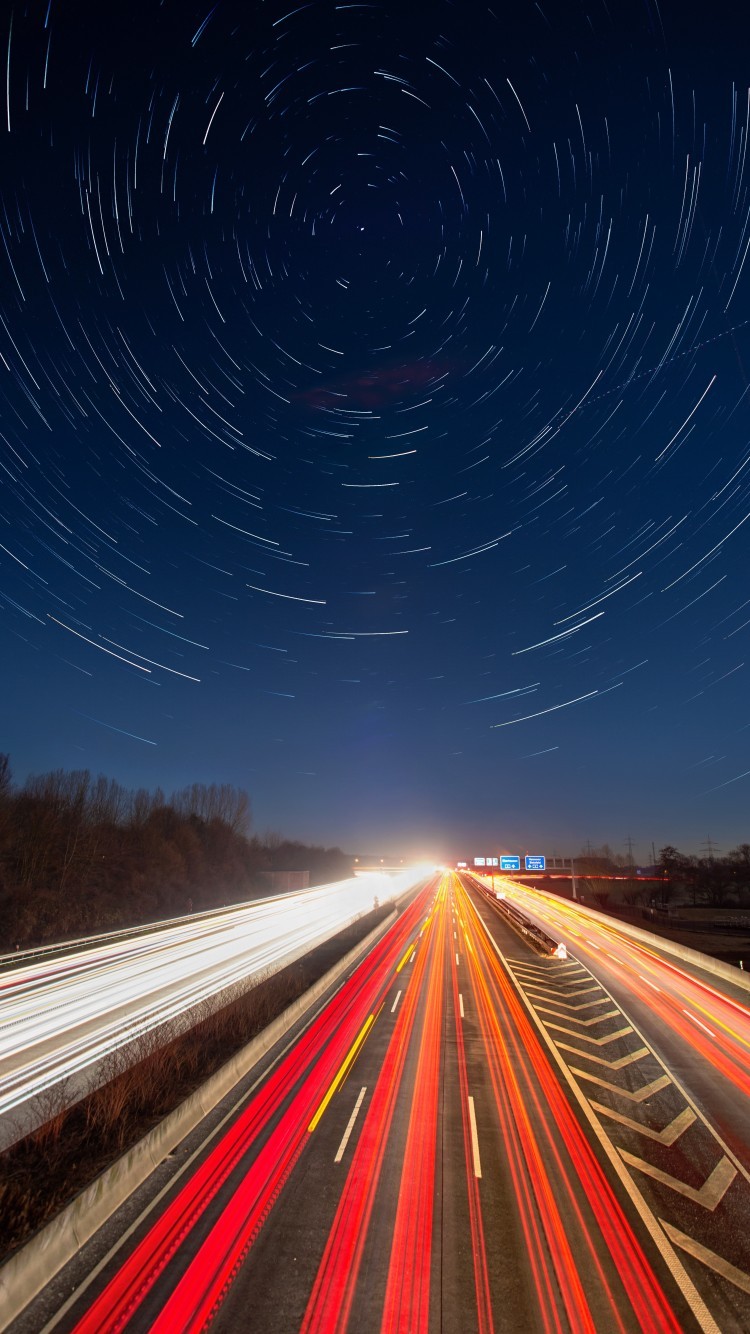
<point x="27" y="1272"/>
<point x="705" y="962"/>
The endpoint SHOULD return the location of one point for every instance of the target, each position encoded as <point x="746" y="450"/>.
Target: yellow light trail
<point x="343" y="1070"/>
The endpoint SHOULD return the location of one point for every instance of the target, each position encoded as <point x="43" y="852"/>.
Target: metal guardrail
<point x="532" y="933"/>
<point x="741" y="926"/>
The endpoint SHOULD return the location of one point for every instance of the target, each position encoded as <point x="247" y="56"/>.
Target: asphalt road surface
<point x="468" y="1136"/>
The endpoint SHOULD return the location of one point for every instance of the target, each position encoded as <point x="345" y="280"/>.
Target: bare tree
<point x="271" y="839"/>
<point x="108" y="801"/>
<point x="218" y="801"/>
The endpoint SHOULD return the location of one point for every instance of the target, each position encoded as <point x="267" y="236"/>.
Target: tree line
<point x="710" y="881"/>
<point x="716" y="882"/>
<point x="81" y="854"/>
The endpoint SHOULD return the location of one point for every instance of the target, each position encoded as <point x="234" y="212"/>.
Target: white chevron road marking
<point x="585" y="1005"/>
<point x="536" y="989"/>
<point x="602" y="1060"/>
<point x="585" y="1023"/>
<point x="709" y="1258"/>
<point x="710" y="1194"/>
<point x="584" y="1037"/>
<point x="668" y="1136"/>
<point x="637" y="1095"/>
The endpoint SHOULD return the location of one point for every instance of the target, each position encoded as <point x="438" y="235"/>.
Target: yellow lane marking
<point x="412" y="948"/>
<point x="404" y="959"/>
<point x="342" y="1070"/>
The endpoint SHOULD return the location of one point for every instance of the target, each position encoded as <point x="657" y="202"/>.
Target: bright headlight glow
<point x="61" y="1013"/>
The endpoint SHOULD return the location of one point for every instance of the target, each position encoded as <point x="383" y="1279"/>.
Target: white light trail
<point x="66" y="1009"/>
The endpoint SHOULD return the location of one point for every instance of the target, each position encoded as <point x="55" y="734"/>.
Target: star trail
<point x="374" y="411"/>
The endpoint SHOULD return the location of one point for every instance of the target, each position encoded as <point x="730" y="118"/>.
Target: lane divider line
<point x="474" y="1139"/>
<point x="461" y="1005"/>
<point x="395" y="1003"/>
<point x="350" y="1124"/>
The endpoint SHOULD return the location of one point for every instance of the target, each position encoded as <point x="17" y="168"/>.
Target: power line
<point x="710" y="847"/>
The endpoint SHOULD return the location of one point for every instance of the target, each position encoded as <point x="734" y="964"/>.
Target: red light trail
<point x="455" y="1101"/>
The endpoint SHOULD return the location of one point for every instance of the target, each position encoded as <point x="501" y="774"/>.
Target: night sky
<point x="374" y="413"/>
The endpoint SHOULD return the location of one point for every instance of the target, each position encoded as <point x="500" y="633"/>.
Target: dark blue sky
<point x="374" y="413"/>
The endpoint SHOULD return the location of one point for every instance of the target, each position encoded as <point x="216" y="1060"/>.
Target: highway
<point x="467" y="1136"/>
<point x="700" y="1025"/>
<point x="64" y="1011"/>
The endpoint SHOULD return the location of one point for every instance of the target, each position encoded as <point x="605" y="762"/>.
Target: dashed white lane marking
<point x="474" y="1139"/>
<point x="456" y="958"/>
<point x="698" y="1022"/>
<point x="461" y="1004"/>
<point x="350" y="1126"/>
<point x="395" y="1003"/>
<point x="649" y="983"/>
